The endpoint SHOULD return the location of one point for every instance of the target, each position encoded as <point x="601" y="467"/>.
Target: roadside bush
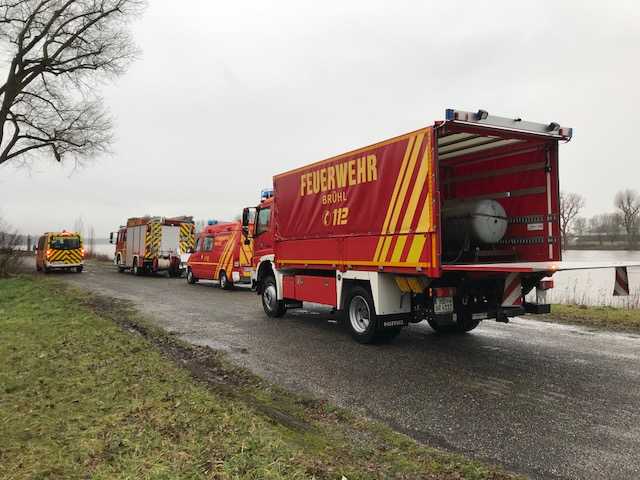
<point x="10" y="256"/>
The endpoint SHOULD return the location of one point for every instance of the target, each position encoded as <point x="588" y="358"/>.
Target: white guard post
<point x="621" y="285"/>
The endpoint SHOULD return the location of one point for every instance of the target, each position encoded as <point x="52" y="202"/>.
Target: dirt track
<point x="546" y="400"/>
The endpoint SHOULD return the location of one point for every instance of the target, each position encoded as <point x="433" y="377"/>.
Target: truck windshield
<point x="64" y="243"/>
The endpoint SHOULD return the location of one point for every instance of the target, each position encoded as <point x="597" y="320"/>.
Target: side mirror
<point x="247" y="241"/>
<point x="245" y="219"/>
<point x="111" y="238"/>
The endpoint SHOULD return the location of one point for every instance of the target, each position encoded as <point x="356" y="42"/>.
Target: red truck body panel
<point x="367" y="209"/>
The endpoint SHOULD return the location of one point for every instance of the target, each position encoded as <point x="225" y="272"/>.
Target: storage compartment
<point x="308" y="288"/>
<point x="498" y="195"/>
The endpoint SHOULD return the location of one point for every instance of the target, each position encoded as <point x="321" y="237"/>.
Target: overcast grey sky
<point x="226" y="94"/>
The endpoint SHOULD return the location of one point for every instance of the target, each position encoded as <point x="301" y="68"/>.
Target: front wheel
<point x="273" y="307"/>
<point x="225" y="284"/>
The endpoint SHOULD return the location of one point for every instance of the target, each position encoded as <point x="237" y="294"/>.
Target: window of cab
<point x="262" y="224"/>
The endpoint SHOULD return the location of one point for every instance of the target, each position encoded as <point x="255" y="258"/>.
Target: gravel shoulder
<point x="546" y="400"/>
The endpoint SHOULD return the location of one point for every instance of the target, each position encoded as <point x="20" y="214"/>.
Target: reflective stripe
<point x="512" y="291"/>
<point x="621" y="285"/>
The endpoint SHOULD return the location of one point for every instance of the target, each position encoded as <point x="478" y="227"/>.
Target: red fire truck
<point x="221" y="254"/>
<point x="453" y="223"/>
<point x="153" y="244"/>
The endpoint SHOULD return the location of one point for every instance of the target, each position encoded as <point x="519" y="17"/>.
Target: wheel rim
<point x="223" y="280"/>
<point x="269" y="297"/>
<point x="359" y="314"/>
<point x="190" y="276"/>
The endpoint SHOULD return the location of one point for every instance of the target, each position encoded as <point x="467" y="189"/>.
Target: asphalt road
<point x="545" y="400"/>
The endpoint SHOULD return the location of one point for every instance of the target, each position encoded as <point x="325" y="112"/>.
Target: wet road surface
<point x="545" y="400"/>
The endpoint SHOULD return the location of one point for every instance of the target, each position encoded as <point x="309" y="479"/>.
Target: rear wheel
<point x="79" y="269"/>
<point x="190" y="278"/>
<point x="361" y="316"/>
<point x="463" y="323"/>
<point x="137" y="270"/>
<point x="272" y="306"/>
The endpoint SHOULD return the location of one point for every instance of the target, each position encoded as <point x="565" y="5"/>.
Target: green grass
<point x="602" y="317"/>
<point x="89" y="390"/>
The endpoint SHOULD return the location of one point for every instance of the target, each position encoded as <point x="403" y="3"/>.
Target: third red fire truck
<point x="221" y="254"/>
<point x="453" y="223"/>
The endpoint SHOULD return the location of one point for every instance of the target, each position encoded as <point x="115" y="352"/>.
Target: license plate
<point x="443" y="305"/>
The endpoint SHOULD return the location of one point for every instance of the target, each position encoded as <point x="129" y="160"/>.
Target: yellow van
<point x="60" y="250"/>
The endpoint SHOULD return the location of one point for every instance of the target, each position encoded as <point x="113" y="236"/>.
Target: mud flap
<point x="512" y="295"/>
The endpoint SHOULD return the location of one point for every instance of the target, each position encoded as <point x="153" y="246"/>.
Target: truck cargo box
<point x="425" y="199"/>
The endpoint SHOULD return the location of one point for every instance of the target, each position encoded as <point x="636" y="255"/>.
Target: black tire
<point x="273" y="307"/>
<point x="190" y="278"/>
<point x="137" y="270"/>
<point x="361" y="316"/>
<point x="79" y="269"/>
<point x="119" y="264"/>
<point x="224" y="282"/>
<point x="47" y="270"/>
<point x="464" y="323"/>
<point x="441" y="327"/>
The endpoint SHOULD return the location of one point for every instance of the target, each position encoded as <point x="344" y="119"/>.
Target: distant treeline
<point x="606" y="230"/>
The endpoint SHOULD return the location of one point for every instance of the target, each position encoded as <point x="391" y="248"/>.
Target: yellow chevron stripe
<point x="418" y="187"/>
<point x="223" y="257"/>
<point x="409" y="215"/>
<point x="401" y="196"/>
<point x="425" y="220"/>
<point x="394" y="196"/>
<point x="234" y="240"/>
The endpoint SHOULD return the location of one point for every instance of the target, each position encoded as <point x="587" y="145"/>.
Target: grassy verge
<point x="88" y="389"/>
<point x="601" y="317"/>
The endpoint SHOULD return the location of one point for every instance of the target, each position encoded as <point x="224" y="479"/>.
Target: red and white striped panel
<point x="512" y="296"/>
<point x="621" y="285"/>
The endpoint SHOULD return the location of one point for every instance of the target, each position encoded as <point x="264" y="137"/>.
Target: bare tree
<point x="579" y="226"/>
<point x="628" y="203"/>
<point x="59" y="51"/>
<point x="570" y="206"/>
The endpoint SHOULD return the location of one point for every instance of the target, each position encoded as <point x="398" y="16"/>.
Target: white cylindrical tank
<point x="478" y="221"/>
